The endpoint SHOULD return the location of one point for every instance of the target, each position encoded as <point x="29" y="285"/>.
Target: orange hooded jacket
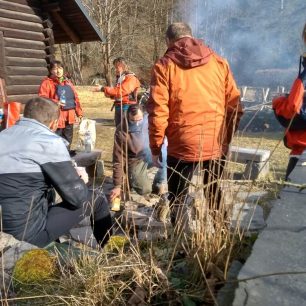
<point x="48" y="89"/>
<point x="194" y="101"/>
<point x="126" y="87"/>
<point x="288" y="107"/>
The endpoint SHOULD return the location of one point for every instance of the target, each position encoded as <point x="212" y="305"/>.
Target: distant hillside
<point x="261" y="39"/>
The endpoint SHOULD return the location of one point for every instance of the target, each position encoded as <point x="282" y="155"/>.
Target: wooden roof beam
<point x="65" y="26"/>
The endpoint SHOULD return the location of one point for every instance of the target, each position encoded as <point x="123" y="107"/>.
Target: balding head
<point x="41" y="109"/>
<point x="178" y="30"/>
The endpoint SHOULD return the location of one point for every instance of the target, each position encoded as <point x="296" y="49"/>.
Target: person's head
<point x="56" y="69"/>
<point x="120" y="65"/>
<point x="42" y="110"/>
<point x="304" y="34"/>
<point x="135" y="115"/>
<point x="176" y="31"/>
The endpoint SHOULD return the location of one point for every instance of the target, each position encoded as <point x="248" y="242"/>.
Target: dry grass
<point x="187" y="265"/>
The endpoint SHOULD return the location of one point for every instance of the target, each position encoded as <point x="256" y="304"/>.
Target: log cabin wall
<point x="26" y="47"/>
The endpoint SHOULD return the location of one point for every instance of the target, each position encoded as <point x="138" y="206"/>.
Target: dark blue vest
<point x="69" y="96"/>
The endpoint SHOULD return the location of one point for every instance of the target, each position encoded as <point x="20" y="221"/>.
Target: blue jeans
<point x="161" y="175"/>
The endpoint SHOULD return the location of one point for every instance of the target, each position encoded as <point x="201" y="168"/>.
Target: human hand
<point x="156" y="162"/>
<point x="98" y="88"/>
<point x="79" y="119"/>
<point x="115" y="193"/>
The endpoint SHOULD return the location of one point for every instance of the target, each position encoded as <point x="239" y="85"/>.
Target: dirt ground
<point x="97" y="107"/>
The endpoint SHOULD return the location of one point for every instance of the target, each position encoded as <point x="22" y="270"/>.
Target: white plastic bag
<point x="87" y="126"/>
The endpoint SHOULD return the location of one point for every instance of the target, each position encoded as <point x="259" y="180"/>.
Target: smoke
<point x="260" y="39"/>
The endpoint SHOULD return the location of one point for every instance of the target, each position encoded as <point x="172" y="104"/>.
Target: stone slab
<point x="280" y="248"/>
<point x="10" y="257"/>
<point x="274" y="251"/>
<point x="248" y="217"/>
<point x="84" y="235"/>
<point x="241" y="155"/>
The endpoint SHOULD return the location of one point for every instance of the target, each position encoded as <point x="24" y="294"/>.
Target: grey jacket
<point x="33" y="159"/>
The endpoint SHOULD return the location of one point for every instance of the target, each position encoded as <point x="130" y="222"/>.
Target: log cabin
<point x="29" y="29"/>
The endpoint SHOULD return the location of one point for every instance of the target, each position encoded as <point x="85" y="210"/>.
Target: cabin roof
<point x="71" y="21"/>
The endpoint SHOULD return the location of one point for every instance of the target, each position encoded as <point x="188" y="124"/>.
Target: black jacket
<point x="33" y="159"/>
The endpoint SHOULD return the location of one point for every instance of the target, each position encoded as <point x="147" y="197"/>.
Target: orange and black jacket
<point x="48" y="89"/>
<point x="126" y="88"/>
<point x="194" y="101"/>
<point x="288" y="107"/>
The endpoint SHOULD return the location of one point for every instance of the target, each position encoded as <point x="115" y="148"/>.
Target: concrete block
<point x="100" y="169"/>
<point x="241" y="155"/>
<point x="256" y="170"/>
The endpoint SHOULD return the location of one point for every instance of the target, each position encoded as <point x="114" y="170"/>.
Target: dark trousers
<point x="66" y="133"/>
<point x="62" y="217"/>
<point x="211" y="170"/>
<point x="118" y="116"/>
<point x="291" y="165"/>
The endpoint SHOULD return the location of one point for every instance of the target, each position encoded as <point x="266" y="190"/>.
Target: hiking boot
<point x="162" y="209"/>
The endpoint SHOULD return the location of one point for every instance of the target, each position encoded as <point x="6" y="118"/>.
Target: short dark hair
<point x="119" y="60"/>
<point x="178" y="30"/>
<point x="55" y="63"/>
<point x="133" y="110"/>
<point x="41" y="109"/>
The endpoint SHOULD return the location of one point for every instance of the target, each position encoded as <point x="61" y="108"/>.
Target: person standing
<point x="124" y="92"/>
<point x="290" y="110"/>
<point x="195" y="103"/>
<point x="60" y="89"/>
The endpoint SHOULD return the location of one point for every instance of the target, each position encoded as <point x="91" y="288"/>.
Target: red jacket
<point x="126" y="87"/>
<point x="194" y="101"/>
<point x="288" y="107"/>
<point x="48" y="89"/>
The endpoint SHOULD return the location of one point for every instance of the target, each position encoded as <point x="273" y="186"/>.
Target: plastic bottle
<point x="1" y="114"/>
<point x="87" y="142"/>
<point x="63" y="97"/>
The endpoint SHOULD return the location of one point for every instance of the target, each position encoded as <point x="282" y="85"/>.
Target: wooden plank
<point x="21" y="89"/>
<point x="24" y="80"/>
<point x="26" y="53"/>
<point x="66" y="27"/>
<point x="3" y="97"/>
<point x="20" y="16"/>
<point x="21" y="98"/>
<point x="25" y="7"/>
<point x="28" y="35"/>
<point x="2" y="58"/>
<point x="21" y="25"/>
<point x="30" y="3"/>
<point x="16" y="70"/>
<point x="23" y="43"/>
<point x="25" y="62"/>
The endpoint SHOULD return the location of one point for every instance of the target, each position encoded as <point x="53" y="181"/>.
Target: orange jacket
<point x="288" y="107"/>
<point x="126" y="87"/>
<point x="194" y="101"/>
<point x="48" y="89"/>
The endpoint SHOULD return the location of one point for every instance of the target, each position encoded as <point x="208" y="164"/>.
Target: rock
<point x="6" y="241"/>
<point x="84" y="235"/>
<point x="226" y="294"/>
<point x="85" y="222"/>
<point x="14" y="253"/>
<point x="248" y="217"/>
